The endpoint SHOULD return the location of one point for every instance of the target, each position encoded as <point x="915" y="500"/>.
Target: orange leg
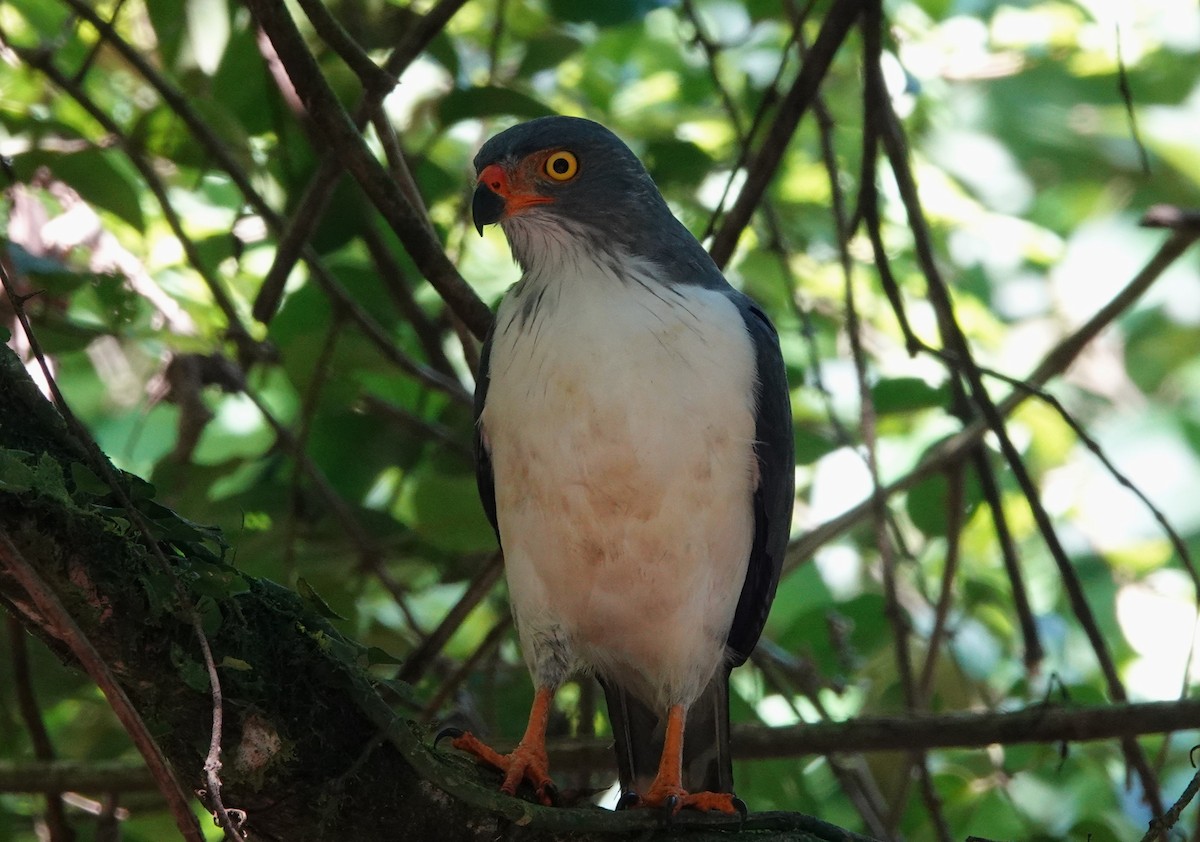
<point x="528" y="761"/>
<point x="667" y="789"/>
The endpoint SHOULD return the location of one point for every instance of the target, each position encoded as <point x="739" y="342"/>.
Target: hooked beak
<point x="495" y="197"/>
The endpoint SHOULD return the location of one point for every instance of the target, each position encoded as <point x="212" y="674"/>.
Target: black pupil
<point x="560" y="165"/>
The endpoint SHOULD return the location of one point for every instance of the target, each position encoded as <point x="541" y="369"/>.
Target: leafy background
<point x="335" y="455"/>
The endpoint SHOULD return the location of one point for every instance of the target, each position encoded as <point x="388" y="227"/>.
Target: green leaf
<point x="192" y="672"/>
<point x="15" y="473"/>
<point x="49" y="479"/>
<point x="907" y="394"/>
<point x="606" y="13"/>
<point x="316" y="601"/>
<point x="488" y="101"/>
<point x="677" y="162"/>
<point x="927" y="503"/>
<point x="547" y="51"/>
<point x="87" y="482"/>
<point x="100" y="176"/>
<point x="811" y="446"/>
<point x="444" y="509"/>
<point x="375" y="656"/>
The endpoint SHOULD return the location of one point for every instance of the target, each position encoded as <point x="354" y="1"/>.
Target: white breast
<point x="620" y="422"/>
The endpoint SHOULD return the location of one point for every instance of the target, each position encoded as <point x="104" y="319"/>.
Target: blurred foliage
<point x="1032" y="181"/>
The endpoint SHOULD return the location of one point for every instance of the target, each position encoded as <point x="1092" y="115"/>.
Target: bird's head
<point x="558" y="185"/>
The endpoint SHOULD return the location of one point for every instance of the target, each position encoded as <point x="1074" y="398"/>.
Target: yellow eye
<point x="562" y="166"/>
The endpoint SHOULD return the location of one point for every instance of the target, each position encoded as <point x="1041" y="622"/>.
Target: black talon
<point x="740" y="806"/>
<point x="450" y="732"/>
<point x="670" y="805"/>
<point x="628" y="799"/>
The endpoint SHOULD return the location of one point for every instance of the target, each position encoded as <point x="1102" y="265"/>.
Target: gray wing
<point x="483" y="460"/>
<point x="774" y="497"/>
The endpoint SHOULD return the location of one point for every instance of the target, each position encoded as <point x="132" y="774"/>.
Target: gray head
<point x="570" y="183"/>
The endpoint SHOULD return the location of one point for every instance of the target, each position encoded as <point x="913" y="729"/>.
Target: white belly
<point x="620" y="422"/>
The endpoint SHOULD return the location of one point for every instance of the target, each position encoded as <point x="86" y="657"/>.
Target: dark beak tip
<point x="487" y="207"/>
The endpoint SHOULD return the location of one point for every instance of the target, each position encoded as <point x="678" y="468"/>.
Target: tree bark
<point x="310" y="749"/>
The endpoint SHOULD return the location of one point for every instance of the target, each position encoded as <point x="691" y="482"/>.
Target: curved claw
<point x="628" y="799"/>
<point x="740" y="806"/>
<point x="450" y="732"/>
<point x="549" y="795"/>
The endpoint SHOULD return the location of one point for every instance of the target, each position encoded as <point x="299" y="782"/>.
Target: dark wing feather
<point x="483" y="460"/>
<point x="775" y="496"/>
<point x="638" y="733"/>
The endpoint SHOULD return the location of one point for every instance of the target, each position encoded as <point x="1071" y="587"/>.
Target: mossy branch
<point x="311" y="750"/>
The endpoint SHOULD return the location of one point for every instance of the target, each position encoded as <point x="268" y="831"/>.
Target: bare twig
<point x="448" y="687"/>
<point x="75" y="776"/>
<point x="59" y="619"/>
<point x="340" y="131"/>
<point x="1057" y="360"/>
<point x="1044" y="723"/>
<point x="941" y="614"/>
<point x="43" y="62"/>
<point x="1033" y="652"/>
<point x="419" y="659"/>
<point x="761" y="169"/>
<point x="896" y="149"/>
<point x="230" y="820"/>
<point x="1126" y="93"/>
<point x="376" y="81"/>
<point x="1160" y="826"/>
<point x="43" y="749"/>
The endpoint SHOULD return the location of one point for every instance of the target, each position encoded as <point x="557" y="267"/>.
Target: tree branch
<point x="923" y="732"/>
<point x="816" y="64"/>
<point x="303" y="723"/>
<point x="336" y="127"/>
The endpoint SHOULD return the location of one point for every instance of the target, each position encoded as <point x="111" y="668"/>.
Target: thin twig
<point x="1126" y="93"/>
<point x="1162" y="824"/>
<point x="485" y="648"/>
<point x="43" y="62"/>
<point x="129" y="717"/>
<point x="376" y="81"/>
<point x="1042" y="723"/>
<point x="421" y="657"/>
<point x="31" y="715"/>
<point x="338" y="129"/>
<point x="230" y="820"/>
<point x="896" y="149"/>
<point x="58" y="618"/>
<point x="960" y="445"/>
<point x="1031" y="639"/>
<point x="762" y="168"/>
<point x="941" y="614"/>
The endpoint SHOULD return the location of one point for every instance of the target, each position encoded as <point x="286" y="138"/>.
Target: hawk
<point x="634" y="454"/>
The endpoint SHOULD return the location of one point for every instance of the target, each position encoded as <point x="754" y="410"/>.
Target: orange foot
<point x="676" y="798"/>
<point x="524" y="763"/>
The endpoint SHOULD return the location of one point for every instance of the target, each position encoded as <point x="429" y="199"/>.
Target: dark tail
<point x="638" y="733"/>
